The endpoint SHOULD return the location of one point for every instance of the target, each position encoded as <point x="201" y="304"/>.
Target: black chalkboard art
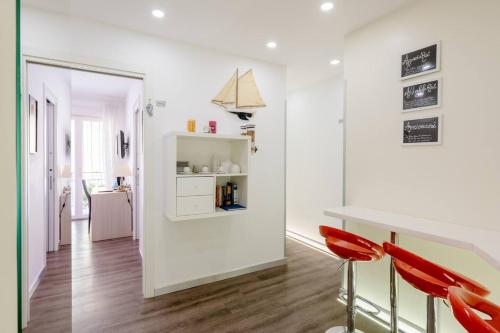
<point x="420" y="62"/>
<point x="421" y="96"/>
<point x="422" y="131"/>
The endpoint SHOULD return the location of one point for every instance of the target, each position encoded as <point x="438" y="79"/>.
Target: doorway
<point x="87" y="161"/>
<point x="83" y="112"/>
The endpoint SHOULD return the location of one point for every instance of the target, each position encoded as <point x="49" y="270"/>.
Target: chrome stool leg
<point x="431" y="314"/>
<point x="351" y="302"/>
<point x="394" y="290"/>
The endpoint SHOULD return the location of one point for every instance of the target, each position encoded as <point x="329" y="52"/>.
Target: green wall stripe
<point x="18" y="166"/>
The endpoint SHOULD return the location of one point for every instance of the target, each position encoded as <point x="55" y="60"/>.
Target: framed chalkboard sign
<point x="422" y="131"/>
<point x="422" y="95"/>
<point x="422" y="61"/>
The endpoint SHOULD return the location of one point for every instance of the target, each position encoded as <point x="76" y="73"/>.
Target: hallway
<point x="83" y="288"/>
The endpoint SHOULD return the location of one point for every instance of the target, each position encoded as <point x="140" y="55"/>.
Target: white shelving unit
<point x="192" y="196"/>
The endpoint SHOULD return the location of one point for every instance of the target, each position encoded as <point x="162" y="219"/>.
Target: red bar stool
<point x="352" y="248"/>
<point x="462" y="304"/>
<point x="430" y="278"/>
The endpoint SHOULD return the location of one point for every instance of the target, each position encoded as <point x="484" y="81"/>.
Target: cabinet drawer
<point x="195" y="205"/>
<point x="188" y="186"/>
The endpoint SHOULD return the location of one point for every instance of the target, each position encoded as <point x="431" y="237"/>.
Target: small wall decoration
<point x="422" y="96"/>
<point x="240" y="95"/>
<point x="420" y="62"/>
<point x="422" y="131"/>
<point x="33" y="125"/>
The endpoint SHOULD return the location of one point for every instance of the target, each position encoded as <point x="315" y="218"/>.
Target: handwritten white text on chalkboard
<point x="422" y="57"/>
<point x="419" y="90"/>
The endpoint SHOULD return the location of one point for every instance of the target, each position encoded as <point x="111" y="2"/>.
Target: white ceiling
<point x="86" y="85"/>
<point x="307" y="37"/>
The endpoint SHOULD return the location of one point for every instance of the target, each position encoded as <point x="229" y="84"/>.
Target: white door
<point x="138" y="172"/>
<point x="51" y="191"/>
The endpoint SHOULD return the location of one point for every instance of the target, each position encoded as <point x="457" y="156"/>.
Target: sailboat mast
<point x="237" y="79"/>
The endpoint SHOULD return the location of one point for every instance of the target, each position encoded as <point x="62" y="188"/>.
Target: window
<point x="87" y="160"/>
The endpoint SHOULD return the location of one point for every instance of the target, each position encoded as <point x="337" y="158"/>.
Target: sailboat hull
<point x="242" y="115"/>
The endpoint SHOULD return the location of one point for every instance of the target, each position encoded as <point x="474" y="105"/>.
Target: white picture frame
<point x="439" y="130"/>
<point x="438" y="61"/>
<point x="439" y="94"/>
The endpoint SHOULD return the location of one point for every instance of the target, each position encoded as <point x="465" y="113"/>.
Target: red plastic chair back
<point x="462" y="304"/>
<point x="428" y="277"/>
<point x="350" y="246"/>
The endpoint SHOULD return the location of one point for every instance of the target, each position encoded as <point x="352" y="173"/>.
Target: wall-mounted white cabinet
<point x="194" y="196"/>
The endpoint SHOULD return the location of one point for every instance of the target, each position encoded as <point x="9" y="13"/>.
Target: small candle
<point x="213" y="126"/>
<point x="191" y="125"/>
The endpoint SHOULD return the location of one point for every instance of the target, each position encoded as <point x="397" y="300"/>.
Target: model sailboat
<point x="239" y="94"/>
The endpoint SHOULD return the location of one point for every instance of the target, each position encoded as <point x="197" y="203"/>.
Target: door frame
<point x="138" y="168"/>
<point x="100" y="66"/>
<point x="52" y="238"/>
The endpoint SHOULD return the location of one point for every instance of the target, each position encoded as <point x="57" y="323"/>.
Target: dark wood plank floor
<point x="96" y="287"/>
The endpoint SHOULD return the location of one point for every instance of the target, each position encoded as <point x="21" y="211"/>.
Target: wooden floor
<point x="96" y="287"/>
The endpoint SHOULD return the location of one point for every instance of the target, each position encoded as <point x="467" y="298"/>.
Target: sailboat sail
<point x="240" y="92"/>
<point x="227" y="95"/>
<point x="248" y="94"/>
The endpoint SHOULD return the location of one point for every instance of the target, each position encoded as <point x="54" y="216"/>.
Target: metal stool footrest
<point x="341" y="329"/>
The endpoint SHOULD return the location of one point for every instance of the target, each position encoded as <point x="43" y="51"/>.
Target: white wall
<point x="314" y="157"/>
<point x="56" y="80"/>
<point x="455" y="182"/>
<point x="8" y="282"/>
<point x="187" y="77"/>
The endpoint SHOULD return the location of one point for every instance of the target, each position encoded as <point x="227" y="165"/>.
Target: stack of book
<point x="227" y="198"/>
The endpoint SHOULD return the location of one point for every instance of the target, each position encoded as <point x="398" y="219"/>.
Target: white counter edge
<point x="487" y="244"/>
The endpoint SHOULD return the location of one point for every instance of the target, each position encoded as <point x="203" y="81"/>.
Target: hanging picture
<point x="122" y="146"/>
<point x="33" y="125"/>
<point x="422" y="61"/>
<point x="67" y="144"/>
<point x="421" y="96"/>
<point x="422" y="131"/>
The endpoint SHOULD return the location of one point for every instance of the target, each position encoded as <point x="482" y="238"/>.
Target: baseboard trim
<point x="38" y="279"/>
<point x="218" y="277"/>
<point x="315" y="245"/>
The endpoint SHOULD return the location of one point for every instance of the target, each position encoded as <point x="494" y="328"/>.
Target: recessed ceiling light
<point x="271" y="45"/>
<point x="327" y="6"/>
<point x="158" y="13"/>
<point x="335" y="62"/>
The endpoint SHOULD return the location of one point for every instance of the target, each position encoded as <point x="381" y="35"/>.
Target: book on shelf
<point x="233" y="207"/>
<point x="235" y="198"/>
<point x="227" y="197"/>
<point x="228" y="201"/>
<point x="217" y="195"/>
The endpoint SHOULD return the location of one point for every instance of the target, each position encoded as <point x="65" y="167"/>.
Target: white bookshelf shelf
<point x="181" y="175"/>
<point x="193" y="196"/>
<point x="218" y="213"/>
<point x="220" y="137"/>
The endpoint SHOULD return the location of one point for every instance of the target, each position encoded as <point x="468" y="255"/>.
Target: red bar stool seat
<point x="352" y="248"/>
<point x="463" y="303"/>
<point x="432" y="279"/>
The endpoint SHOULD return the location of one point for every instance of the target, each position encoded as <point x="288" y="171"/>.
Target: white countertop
<point x="485" y="243"/>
